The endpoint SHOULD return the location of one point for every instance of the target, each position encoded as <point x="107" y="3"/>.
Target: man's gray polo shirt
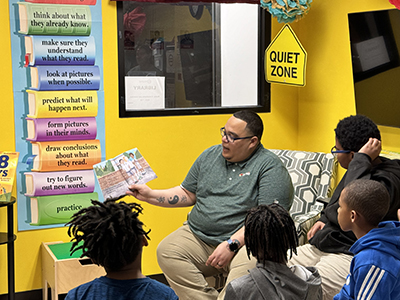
<point x="226" y="191"/>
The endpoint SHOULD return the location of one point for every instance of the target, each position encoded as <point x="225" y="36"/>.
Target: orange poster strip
<point x="65" y="155"/>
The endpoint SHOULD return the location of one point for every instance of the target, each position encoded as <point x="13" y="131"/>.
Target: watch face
<point x="233" y="245"/>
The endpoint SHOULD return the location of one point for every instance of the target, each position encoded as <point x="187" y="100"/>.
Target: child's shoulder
<point x="376" y="260"/>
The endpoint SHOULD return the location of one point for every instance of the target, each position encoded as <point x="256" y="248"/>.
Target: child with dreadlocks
<point x="113" y="237"/>
<point x="269" y="234"/>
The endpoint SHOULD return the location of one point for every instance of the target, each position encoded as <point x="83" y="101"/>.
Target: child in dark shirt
<point x="113" y="237"/>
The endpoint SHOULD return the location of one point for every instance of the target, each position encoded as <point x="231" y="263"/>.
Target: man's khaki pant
<point x="182" y="257"/>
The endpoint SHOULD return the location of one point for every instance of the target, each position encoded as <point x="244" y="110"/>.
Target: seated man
<point x="269" y="234"/>
<point x="113" y="238"/>
<point x="374" y="272"/>
<point x="222" y="185"/>
<point x="357" y="149"/>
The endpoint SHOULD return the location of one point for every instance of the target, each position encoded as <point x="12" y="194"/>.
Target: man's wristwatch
<point x="233" y="245"/>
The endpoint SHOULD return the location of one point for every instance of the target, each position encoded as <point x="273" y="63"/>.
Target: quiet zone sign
<point x="285" y="59"/>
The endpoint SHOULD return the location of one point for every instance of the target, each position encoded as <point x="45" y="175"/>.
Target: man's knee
<point x="162" y="246"/>
<point x="174" y="250"/>
<point x="164" y="253"/>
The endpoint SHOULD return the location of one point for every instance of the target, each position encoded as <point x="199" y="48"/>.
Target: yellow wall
<point x="301" y="118"/>
<point x="370" y="91"/>
<point x="329" y="93"/>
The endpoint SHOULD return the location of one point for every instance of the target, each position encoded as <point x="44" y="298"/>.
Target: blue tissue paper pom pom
<point x="287" y="11"/>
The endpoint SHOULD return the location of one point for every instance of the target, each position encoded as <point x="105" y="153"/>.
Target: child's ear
<point x="354" y="216"/>
<point x="145" y="242"/>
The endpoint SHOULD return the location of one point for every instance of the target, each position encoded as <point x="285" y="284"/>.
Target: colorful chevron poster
<point x="57" y="64"/>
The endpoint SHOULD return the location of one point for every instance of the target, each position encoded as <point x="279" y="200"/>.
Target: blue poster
<point x="57" y="67"/>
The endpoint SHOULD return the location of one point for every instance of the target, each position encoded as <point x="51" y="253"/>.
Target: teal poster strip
<point x="57" y="69"/>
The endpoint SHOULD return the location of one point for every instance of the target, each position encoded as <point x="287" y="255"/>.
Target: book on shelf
<point x="62" y="104"/>
<point x="54" y="19"/>
<point x="8" y="167"/>
<point x="54" y="78"/>
<point x="47" y="210"/>
<point x="61" y="129"/>
<point x="75" y="2"/>
<point x="115" y="175"/>
<point x="65" y="155"/>
<point x="59" y="183"/>
<point x="59" y="50"/>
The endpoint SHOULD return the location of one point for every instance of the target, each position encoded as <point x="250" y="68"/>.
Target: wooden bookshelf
<point x="8" y="238"/>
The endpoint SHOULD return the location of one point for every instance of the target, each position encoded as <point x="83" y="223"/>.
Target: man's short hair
<point x="109" y="233"/>
<point x="369" y="198"/>
<point x="269" y="233"/>
<point x="253" y="120"/>
<point x="354" y="132"/>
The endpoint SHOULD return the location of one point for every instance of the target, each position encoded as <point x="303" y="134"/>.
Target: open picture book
<point x="115" y="175"/>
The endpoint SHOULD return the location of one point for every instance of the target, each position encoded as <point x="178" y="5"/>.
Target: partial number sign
<point x="285" y="59"/>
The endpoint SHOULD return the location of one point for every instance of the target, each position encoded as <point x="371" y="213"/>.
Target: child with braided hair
<point x="269" y="234"/>
<point x="112" y="236"/>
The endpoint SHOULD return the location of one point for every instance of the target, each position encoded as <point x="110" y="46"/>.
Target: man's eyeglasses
<point x="230" y="138"/>
<point x="334" y="151"/>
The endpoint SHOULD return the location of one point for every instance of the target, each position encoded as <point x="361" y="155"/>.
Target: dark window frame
<point x="381" y="21"/>
<point x="263" y="92"/>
